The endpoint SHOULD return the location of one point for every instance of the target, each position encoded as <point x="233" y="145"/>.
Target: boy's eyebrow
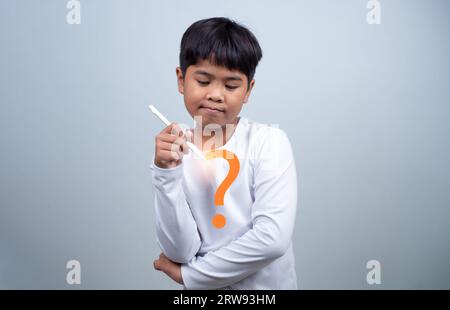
<point x="209" y="75"/>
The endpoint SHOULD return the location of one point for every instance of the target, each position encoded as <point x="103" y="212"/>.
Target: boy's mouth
<point x="212" y="108"/>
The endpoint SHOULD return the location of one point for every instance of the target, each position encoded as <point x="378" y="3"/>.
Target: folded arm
<point x="176" y="229"/>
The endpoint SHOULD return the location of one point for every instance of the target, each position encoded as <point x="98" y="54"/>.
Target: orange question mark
<point x="219" y="220"/>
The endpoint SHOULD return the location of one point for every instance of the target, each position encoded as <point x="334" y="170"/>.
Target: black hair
<point x="223" y="42"/>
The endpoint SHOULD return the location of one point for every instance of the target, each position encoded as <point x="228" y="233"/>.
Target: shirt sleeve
<point x="176" y="230"/>
<point x="273" y="217"/>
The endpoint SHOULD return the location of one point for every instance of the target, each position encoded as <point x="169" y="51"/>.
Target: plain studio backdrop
<point x="366" y="108"/>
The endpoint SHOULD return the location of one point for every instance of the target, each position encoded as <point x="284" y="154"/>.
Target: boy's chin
<point x="211" y="122"/>
<point x="208" y="118"/>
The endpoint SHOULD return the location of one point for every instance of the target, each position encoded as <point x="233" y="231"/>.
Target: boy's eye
<point x="231" y="87"/>
<point x="203" y="82"/>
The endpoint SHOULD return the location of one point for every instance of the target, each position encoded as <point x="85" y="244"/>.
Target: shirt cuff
<point x="186" y="277"/>
<point x="165" y="179"/>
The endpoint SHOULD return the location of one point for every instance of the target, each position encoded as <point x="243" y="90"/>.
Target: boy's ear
<point x="249" y="90"/>
<point x="180" y="80"/>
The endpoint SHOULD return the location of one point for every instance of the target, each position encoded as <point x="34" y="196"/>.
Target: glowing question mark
<point x="219" y="220"/>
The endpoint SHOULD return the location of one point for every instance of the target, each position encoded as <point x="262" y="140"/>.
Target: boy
<point x="218" y="58"/>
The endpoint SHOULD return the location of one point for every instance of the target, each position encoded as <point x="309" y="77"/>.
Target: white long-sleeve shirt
<point x="254" y="249"/>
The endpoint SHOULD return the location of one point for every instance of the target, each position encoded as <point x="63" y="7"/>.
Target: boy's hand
<point x="170" y="145"/>
<point x="173" y="270"/>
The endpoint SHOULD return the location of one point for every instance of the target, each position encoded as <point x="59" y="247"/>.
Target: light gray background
<point x="366" y="108"/>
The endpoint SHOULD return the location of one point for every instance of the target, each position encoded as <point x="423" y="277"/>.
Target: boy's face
<point x="213" y="92"/>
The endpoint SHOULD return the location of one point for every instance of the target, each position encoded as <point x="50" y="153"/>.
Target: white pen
<point x="165" y="121"/>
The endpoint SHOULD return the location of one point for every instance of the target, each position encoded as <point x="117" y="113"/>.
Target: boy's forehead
<point x="206" y="67"/>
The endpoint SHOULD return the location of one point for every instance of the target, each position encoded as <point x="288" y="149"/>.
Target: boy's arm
<point x="176" y="229"/>
<point x="273" y="217"/>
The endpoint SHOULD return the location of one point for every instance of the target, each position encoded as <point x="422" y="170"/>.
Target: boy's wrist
<point x="165" y="176"/>
<point x="169" y="165"/>
<point x="166" y="168"/>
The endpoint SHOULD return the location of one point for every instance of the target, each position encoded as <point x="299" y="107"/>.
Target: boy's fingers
<point x="172" y="129"/>
<point x="164" y="146"/>
<point x="160" y="263"/>
<point x="171" y="143"/>
<point x="175" y="129"/>
<point x="181" y="138"/>
<point x="157" y="264"/>
<point x="180" y="141"/>
<point x="168" y="152"/>
<point x="170" y="155"/>
<point x="167" y="138"/>
<point x="189" y="135"/>
<point x="179" y="146"/>
<point x="171" y="146"/>
<point x="185" y="148"/>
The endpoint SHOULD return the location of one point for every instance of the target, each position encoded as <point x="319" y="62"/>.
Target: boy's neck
<point x="210" y="141"/>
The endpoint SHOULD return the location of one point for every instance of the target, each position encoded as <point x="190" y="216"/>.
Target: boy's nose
<point x="215" y="95"/>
